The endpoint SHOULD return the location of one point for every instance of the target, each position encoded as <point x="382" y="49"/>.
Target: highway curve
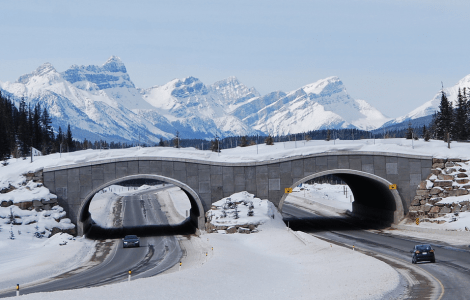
<point x="155" y="255"/>
<point x="448" y="278"/>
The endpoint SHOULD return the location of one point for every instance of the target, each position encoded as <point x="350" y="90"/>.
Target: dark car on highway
<point x="423" y="253"/>
<point x="130" y="241"/>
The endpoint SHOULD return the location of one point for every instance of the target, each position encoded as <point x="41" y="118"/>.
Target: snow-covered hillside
<point x="102" y="102"/>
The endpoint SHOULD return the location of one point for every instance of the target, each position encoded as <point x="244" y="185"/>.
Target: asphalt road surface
<point x="155" y="254"/>
<point x="451" y="272"/>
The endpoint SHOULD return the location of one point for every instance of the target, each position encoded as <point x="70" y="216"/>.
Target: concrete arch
<point x="196" y="215"/>
<point x="352" y="178"/>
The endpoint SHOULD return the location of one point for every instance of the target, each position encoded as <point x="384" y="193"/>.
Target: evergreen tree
<point x="460" y="131"/>
<point x="444" y="118"/>
<point x="328" y="135"/>
<point x="161" y="143"/>
<point x="243" y="141"/>
<point x="426" y="134"/>
<point x="47" y="132"/>
<point x="37" y="132"/>
<point x="269" y="140"/>
<point x="176" y="140"/>
<point x="409" y="132"/>
<point x="60" y="139"/>
<point x="23" y="129"/>
<point x="215" y="144"/>
<point x="69" y="139"/>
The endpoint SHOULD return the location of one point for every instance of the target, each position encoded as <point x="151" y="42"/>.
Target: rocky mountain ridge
<point x="103" y="102"/>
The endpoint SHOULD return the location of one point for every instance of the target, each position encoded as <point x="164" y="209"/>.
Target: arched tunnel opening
<point x="373" y="204"/>
<point x="139" y="206"/>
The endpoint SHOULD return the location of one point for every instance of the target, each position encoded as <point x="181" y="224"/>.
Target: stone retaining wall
<point x="448" y="178"/>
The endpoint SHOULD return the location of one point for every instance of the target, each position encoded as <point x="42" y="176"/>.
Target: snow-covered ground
<point x="175" y="203"/>
<point x="335" y="196"/>
<point x="271" y="264"/>
<point x="29" y="259"/>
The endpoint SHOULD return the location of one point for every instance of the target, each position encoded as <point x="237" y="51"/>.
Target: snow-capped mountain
<point x="190" y="106"/>
<point x="430" y="107"/>
<point x="93" y="111"/>
<point x="103" y="102"/>
<point x="320" y="105"/>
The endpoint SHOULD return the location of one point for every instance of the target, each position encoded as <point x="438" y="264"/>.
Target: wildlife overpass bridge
<point x="368" y="175"/>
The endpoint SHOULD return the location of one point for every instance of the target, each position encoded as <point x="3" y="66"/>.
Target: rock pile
<point x="448" y="178"/>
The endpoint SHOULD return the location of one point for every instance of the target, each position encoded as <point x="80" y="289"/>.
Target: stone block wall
<point x="447" y="178"/>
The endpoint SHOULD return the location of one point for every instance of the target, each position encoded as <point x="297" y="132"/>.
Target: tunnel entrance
<point x="143" y="205"/>
<point x="351" y="196"/>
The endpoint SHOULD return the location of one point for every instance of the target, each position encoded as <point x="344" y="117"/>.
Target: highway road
<point x="448" y="278"/>
<point x="155" y="254"/>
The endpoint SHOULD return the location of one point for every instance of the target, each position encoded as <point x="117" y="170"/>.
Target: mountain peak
<point x="114" y="64"/>
<point x="43" y="70"/>
<point x="327" y="85"/>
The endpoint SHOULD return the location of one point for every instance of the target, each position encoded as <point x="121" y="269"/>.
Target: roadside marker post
<point x="288" y="190"/>
<point x="354" y="248"/>
<point x="17" y="290"/>
<point x="129" y="278"/>
<point x="417" y="221"/>
<point x="180" y="266"/>
<point x="392" y="187"/>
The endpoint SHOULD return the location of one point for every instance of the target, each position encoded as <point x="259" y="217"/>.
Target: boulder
<point x="6" y="203"/>
<point x="412" y="215"/>
<point x="434" y="209"/>
<point x="25" y="205"/>
<point x="438" y="160"/>
<point x="454" y="159"/>
<point x="56" y="230"/>
<point x="449" y="164"/>
<point x="450" y="170"/>
<point x="462" y="180"/>
<point x="464" y="208"/>
<point x="415" y="202"/>
<point x="462" y="170"/>
<point x="443" y="183"/>
<point x="422" y="185"/>
<point x="232" y="229"/>
<point x="445" y="177"/>
<point x="459" y="192"/>
<point x="438" y="166"/>
<point x="456" y="208"/>
<point x="50" y="201"/>
<point x="445" y="210"/>
<point x="422" y="202"/>
<point x="462" y="175"/>
<point x="422" y="192"/>
<point x="434" y="200"/>
<point x="427" y="207"/>
<point x="434" y="172"/>
<point x="432" y="215"/>
<point x="435" y="191"/>
<point x="243" y="230"/>
<point x="252" y="227"/>
<point x="441" y="221"/>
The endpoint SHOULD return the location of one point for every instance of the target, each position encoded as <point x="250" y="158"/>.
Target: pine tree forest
<point x="24" y="127"/>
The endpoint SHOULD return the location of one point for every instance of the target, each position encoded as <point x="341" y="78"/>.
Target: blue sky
<point x="393" y="54"/>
